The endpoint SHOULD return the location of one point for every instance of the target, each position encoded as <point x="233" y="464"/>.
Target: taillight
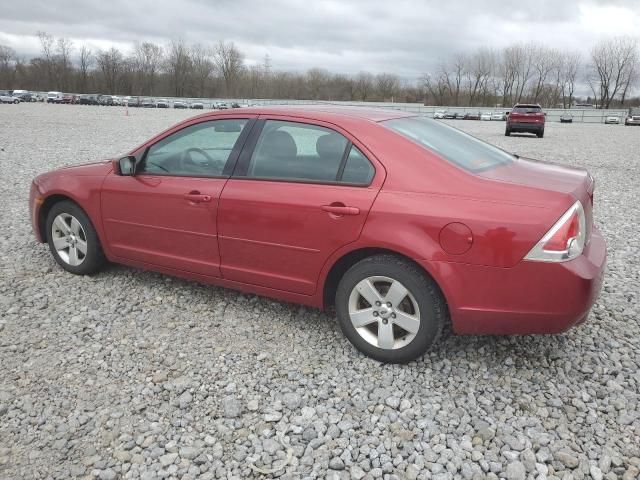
<point x="565" y="240"/>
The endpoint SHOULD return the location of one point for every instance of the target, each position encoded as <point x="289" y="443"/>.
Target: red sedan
<point x="400" y="222"/>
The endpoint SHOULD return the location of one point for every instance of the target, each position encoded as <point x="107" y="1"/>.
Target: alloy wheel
<point x="69" y="239"/>
<point x="384" y="312"/>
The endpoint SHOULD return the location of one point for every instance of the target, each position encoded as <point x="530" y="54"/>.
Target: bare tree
<point x="62" y="62"/>
<point x="478" y="73"/>
<point x="364" y="85"/>
<point x="611" y="70"/>
<point x="7" y="66"/>
<point x="147" y="58"/>
<point x="230" y="62"/>
<point x="569" y="72"/>
<point x="110" y="63"/>
<point x="46" y="46"/>
<point x="85" y="62"/>
<point x="202" y="67"/>
<point x="178" y="66"/>
<point x="387" y="85"/>
<point x="544" y="61"/>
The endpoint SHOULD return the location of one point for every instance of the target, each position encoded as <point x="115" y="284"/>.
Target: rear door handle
<point x="197" y="197"/>
<point x="340" y="209"/>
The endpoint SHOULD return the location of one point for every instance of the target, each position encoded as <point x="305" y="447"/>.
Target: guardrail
<point x="580" y="115"/>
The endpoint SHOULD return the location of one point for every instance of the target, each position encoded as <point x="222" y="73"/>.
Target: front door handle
<point x="340" y="209"/>
<point x="197" y="197"/>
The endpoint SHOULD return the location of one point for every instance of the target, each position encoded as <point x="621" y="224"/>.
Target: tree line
<point x="521" y="72"/>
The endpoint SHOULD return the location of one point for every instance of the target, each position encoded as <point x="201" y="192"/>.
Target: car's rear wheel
<point x="540" y="133"/>
<point x="507" y="132"/>
<point x="389" y="309"/>
<point x="73" y="240"/>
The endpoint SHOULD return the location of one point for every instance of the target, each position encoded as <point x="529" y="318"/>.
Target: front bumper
<point x="631" y="121"/>
<point x="529" y="298"/>
<point x="35" y="202"/>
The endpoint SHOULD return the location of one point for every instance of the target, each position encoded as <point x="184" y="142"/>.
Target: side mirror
<point x="126" y="166"/>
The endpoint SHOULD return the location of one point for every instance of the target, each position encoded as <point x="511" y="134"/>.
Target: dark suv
<point x="526" y="118"/>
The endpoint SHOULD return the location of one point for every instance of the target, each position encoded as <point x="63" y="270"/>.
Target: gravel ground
<point x="130" y="374"/>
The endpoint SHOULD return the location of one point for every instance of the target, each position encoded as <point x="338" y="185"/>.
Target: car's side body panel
<point x="273" y="238"/>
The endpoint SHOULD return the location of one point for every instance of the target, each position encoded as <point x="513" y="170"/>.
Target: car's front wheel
<point x="73" y="240"/>
<point x="389" y="309"/>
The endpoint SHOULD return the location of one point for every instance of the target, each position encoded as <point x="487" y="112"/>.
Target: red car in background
<point x="400" y="222"/>
<point x="526" y="118"/>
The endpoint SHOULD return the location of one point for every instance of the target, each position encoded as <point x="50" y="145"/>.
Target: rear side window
<point x="357" y="169"/>
<point x="303" y="152"/>
<point x="450" y="143"/>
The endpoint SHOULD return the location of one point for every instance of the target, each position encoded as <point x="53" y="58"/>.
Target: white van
<point x="54" y="97"/>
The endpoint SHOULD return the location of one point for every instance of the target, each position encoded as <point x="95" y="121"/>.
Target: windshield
<point x="450" y="143"/>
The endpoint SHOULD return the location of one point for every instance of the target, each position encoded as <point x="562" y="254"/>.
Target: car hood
<point x="94" y="168"/>
<point x="544" y="175"/>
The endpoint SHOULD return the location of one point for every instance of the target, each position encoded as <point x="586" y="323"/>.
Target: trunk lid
<point x="551" y="177"/>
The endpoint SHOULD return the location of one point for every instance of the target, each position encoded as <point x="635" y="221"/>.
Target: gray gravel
<point x="130" y="374"/>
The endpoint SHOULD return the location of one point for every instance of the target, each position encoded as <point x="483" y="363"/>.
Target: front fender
<point x="83" y="190"/>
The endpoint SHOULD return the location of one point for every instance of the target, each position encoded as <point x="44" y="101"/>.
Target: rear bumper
<point x="525" y="127"/>
<point x="529" y="298"/>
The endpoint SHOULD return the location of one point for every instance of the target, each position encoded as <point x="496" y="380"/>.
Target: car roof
<point x="327" y="112"/>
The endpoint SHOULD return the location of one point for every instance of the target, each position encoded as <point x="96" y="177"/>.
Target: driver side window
<point x="199" y="150"/>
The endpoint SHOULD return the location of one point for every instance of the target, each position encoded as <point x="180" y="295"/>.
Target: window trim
<point x="231" y="160"/>
<point x="242" y="165"/>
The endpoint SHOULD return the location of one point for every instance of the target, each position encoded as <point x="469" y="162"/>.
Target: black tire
<point x="540" y="133"/>
<point x="507" y="132"/>
<point x="422" y="288"/>
<point x="94" y="258"/>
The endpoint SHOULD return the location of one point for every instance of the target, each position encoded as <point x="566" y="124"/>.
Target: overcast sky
<point x="399" y="36"/>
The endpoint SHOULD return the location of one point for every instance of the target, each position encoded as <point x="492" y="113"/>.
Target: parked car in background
<point x="504" y="245"/>
<point x="132" y="101"/>
<point x="449" y="115"/>
<point x="221" y="106"/>
<point x="499" y="116"/>
<point x="6" y="97"/>
<point x="485" y="116"/>
<point x="105" y="100"/>
<point x="612" y="120"/>
<point x="119" y="101"/>
<point x="55" y="97"/>
<point x="439" y="114"/>
<point x="235" y="105"/>
<point x="180" y="104"/>
<point x="162" y="103"/>
<point x="36" y="97"/>
<point x="147" y="103"/>
<point x="88" y="99"/>
<point x="472" y="116"/>
<point x="68" y="99"/>
<point x="566" y="118"/>
<point x="22" y="95"/>
<point x="197" y="105"/>
<point x="459" y="115"/>
<point x="526" y="118"/>
<point x="633" y="118"/>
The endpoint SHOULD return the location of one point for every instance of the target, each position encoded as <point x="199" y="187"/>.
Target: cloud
<point x="405" y="37"/>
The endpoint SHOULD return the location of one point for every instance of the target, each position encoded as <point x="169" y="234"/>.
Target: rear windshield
<point x="450" y="143"/>
<point x="527" y="109"/>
